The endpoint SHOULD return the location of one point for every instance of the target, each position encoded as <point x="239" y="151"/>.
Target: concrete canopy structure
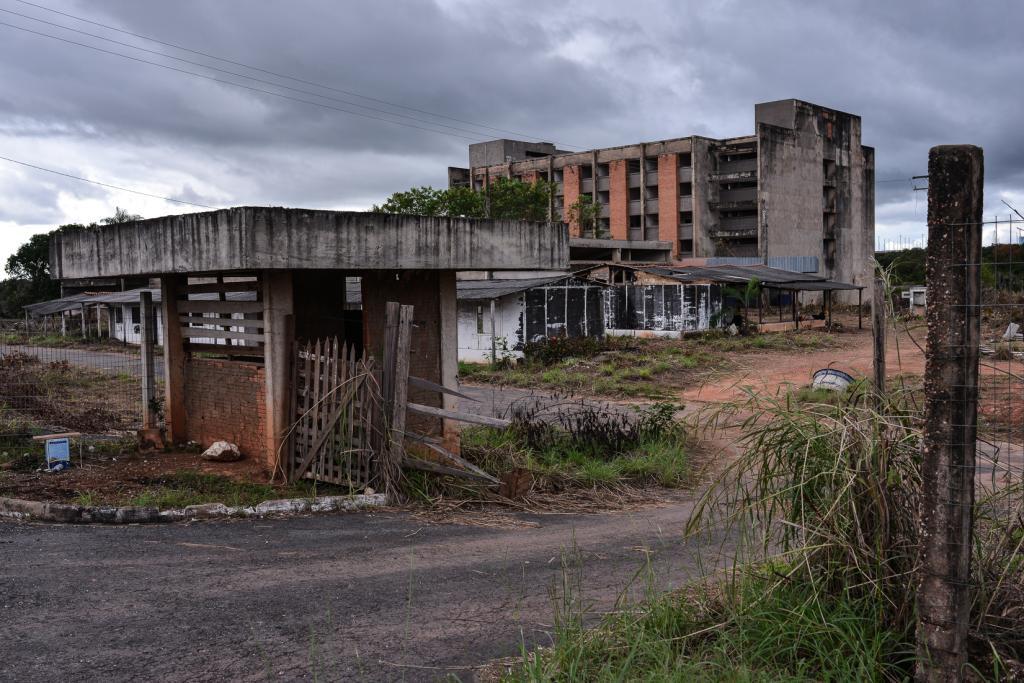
<point x="296" y="261"/>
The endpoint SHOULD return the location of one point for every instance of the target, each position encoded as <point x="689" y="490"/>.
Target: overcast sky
<point x="582" y="74"/>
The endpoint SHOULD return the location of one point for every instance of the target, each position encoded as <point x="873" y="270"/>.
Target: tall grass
<point x="824" y="503"/>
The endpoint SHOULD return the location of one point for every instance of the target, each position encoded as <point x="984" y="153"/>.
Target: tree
<point x="505" y="198"/>
<point x="514" y="199"/>
<point x="121" y="216"/>
<point x="586" y="213"/>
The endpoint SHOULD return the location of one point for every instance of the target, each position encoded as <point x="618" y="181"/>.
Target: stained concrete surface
<point x="367" y="596"/>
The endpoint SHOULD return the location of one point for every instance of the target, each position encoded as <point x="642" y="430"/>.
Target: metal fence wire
<point x="52" y="382"/>
<point x="1000" y="450"/>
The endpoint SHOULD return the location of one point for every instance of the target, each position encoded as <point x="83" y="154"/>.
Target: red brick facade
<point x="668" y="200"/>
<point x="570" y="195"/>
<point x="226" y="400"/>
<point x="618" y="199"/>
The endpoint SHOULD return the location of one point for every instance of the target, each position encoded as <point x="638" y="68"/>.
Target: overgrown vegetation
<point x="504" y="198"/>
<point x="58" y="393"/>
<point x="622" y="367"/>
<point x="565" y="445"/>
<point x="1002" y="266"/>
<point x="824" y="500"/>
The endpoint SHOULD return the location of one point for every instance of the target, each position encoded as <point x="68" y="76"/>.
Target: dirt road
<point x="381" y="596"/>
<point x="773" y="371"/>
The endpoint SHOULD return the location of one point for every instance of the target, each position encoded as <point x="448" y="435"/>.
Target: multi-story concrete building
<point x="797" y="194"/>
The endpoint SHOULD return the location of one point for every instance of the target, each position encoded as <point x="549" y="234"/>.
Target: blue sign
<point x="58" y="450"/>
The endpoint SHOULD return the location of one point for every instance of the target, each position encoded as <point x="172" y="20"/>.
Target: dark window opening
<point x="685" y="160"/>
<point x="602" y="170"/>
<point x="586" y="172"/>
<point x="685" y="248"/>
<point x="633" y="165"/>
<point x="634" y="194"/>
<point x="686" y="189"/>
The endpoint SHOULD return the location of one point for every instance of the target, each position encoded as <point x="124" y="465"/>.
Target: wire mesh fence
<point x="52" y="382"/>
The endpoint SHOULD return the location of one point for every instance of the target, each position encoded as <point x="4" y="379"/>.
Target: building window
<point x="634" y="221"/>
<point x="603" y="197"/>
<point x="685" y="160"/>
<point x="652" y="191"/>
<point x="118" y="315"/>
<point x="136" y="315"/>
<point x="479" y="319"/>
<point x="685" y="248"/>
<point x="633" y="166"/>
<point x="686" y="189"/>
<point x="559" y="175"/>
<point x="651" y="164"/>
<point x="586" y="172"/>
<point x="602" y="170"/>
<point x="686" y="217"/>
<point x="634" y="194"/>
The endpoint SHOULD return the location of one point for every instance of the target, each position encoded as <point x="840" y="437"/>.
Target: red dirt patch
<point x="118" y="477"/>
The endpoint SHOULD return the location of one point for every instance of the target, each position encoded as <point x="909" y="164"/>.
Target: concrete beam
<point x="263" y="238"/>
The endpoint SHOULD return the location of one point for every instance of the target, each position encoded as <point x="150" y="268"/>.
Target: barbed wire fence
<point x="972" y="455"/>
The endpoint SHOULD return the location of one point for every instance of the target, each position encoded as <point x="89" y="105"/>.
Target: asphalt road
<point x="366" y="596"/>
<point x="128" y="361"/>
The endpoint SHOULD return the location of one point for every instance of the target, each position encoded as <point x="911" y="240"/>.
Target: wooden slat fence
<point x="223" y="317"/>
<point x="337" y="433"/>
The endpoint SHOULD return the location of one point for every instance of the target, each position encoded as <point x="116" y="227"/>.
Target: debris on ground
<point x="831" y="379"/>
<point x="222" y="451"/>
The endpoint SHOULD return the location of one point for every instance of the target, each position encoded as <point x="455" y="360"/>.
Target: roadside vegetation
<point x="569" y="447"/>
<point x="824" y="503"/>
<point x="623" y="367"/>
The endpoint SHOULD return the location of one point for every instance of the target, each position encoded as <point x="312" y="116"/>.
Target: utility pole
<point x="956" y="176"/>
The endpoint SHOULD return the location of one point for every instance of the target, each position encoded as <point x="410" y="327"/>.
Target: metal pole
<point x="949" y="435"/>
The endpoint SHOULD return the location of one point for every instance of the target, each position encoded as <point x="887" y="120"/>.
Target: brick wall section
<point x="419" y="289"/>
<point x="570" y="195"/>
<point x="618" y="199"/>
<point x="226" y="400"/>
<point x="668" y="200"/>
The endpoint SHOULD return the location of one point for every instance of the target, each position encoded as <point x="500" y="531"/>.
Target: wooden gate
<point x="337" y="428"/>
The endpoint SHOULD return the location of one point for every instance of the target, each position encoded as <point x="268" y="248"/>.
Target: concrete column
<point x="449" y="349"/>
<point x="84" y="311"/>
<point x="146" y="349"/>
<point x="278" y="335"/>
<point x="174" y="360"/>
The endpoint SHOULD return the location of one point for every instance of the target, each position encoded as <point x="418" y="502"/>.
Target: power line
<point x="280" y="75"/>
<point x="237" y="85"/>
<point x="115" y="187"/>
<point x="240" y="75"/>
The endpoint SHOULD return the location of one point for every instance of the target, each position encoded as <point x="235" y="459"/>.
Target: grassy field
<point x="641" y="368"/>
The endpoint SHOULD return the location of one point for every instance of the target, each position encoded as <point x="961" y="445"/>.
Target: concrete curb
<point x="15" y="508"/>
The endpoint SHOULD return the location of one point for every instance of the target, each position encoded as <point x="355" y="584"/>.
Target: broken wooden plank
<point x="436" y="468"/>
<point x="496" y="422"/>
<point x="427" y="385"/>
<point x="455" y="461"/>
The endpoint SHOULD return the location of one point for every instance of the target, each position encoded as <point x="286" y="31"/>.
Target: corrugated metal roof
<point x="797" y="264"/>
<point x="129" y="296"/>
<point x="767" y="276"/>
<point x="474" y="290"/>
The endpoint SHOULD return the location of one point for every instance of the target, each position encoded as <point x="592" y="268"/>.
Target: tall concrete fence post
<point x="878" y="334"/>
<point x="955" y="181"/>
<point x="147" y="348"/>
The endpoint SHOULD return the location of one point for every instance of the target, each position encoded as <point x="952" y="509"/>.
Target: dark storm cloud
<point x="585" y="74"/>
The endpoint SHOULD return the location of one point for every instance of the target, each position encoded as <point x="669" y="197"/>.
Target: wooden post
<point x="860" y="308"/>
<point x="953" y="276"/>
<point x="146" y="348"/>
<point x="85" y="332"/>
<point x="174" y="360"/>
<point x="278" y="339"/>
<point x="878" y="333"/>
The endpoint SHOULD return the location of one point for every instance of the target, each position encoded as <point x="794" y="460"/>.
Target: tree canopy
<point x="505" y="198"/>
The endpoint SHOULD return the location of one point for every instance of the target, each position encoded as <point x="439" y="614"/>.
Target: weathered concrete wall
<point x="225" y="401"/>
<point x="705" y="192"/>
<point x="256" y="238"/>
<point x="789" y="178"/>
<point x="475" y="345"/>
<point x="570" y="307"/>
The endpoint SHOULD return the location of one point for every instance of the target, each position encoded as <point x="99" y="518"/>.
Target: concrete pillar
<point x="449" y="352"/>
<point x="146" y="349"/>
<point x="174" y="360"/>
<point x="618" y="199"/>
<point x="278" y="338"/>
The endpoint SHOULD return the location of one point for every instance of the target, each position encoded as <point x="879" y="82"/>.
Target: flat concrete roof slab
<point x="256" y="238"/>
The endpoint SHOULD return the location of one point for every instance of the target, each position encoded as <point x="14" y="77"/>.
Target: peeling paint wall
<point x="663" y="307"/>
<point x="570" y="307"/>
